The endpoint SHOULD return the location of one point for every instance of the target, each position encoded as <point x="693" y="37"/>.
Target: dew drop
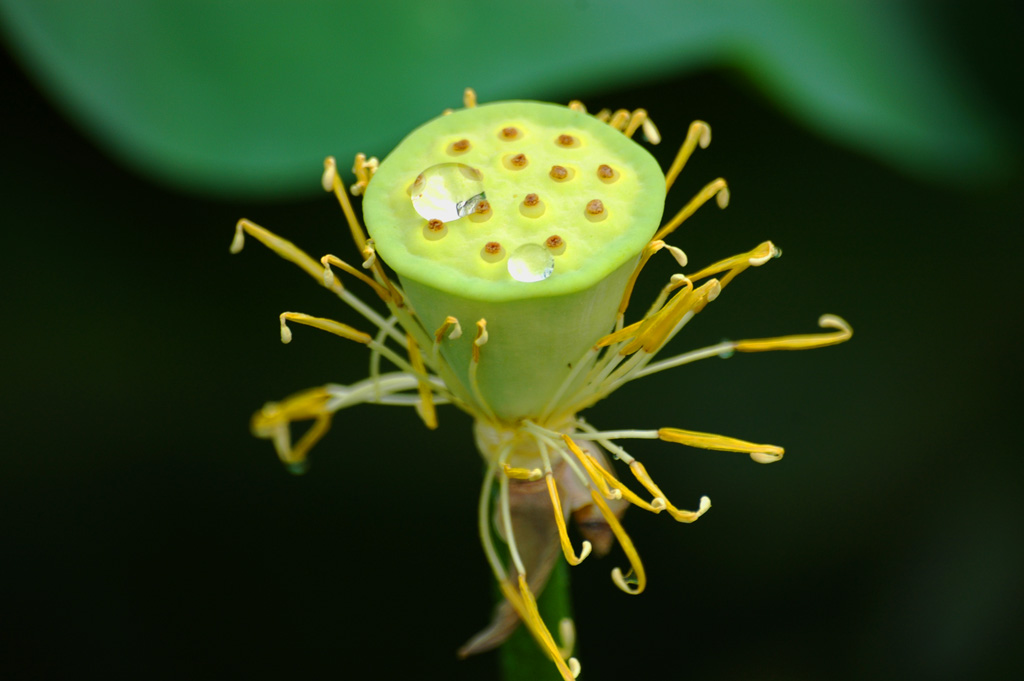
<point x="531" y="262"/>
<point x="447" y="191"/>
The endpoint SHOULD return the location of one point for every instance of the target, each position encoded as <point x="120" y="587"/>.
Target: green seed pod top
<point x="513" y="200"/>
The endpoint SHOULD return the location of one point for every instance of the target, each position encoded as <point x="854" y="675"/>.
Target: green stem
<point x="521" y="657"/>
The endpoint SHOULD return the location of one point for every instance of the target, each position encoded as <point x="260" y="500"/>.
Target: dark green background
<point x="145" y="532"/>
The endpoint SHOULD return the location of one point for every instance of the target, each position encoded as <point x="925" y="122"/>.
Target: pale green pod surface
<point x="571" y="202"/>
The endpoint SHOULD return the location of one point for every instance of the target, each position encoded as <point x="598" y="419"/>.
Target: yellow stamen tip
<point x="330" y="171"/>
<point x="763" y="457"/>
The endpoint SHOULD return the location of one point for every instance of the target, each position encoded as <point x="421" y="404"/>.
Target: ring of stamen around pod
<point x="490" y="170"/>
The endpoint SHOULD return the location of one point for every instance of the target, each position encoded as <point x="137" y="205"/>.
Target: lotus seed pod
<point x="505" y="178"/>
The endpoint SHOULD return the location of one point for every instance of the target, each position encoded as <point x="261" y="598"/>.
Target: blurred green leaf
<point x="248" y="97"/>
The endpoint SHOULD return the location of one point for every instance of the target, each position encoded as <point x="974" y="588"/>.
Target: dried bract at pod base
<point x="503" y="321"/>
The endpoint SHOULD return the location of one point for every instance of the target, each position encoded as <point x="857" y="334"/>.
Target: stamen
<point x="328" y="325"/>
<point x="469" y="98"/>
<point x="328" y="277"/>
<point x="531" y="474"/>
<point x="619" y="119"/>
<point x="699" y="133"/>
<point x="681" y="515"/>
<point x="651" y="133"/>
<point x="678" y="254"/>
<point x="449" y="323"/>
<point x="425" y="407"/>
<point x="759" y="453"/>
<point x="363" y="169"/>
<point x="650" y="249"/>
<point x="563" y="534"/>
<point x="358" y="235"/>
<point x="506" y="521"/>
<point x="636" y="119"/>
<point x="736" y="264"/>
<point x="481" y="338"/>
<point x="627" y="546"/>
<point x="603" y="115"/>
<point x="577" y="105"/>
<point x="702" y="197"/>
<point x="540" y="632"/>
<point x="803" y="341"/>
<point x="474" y="366"/>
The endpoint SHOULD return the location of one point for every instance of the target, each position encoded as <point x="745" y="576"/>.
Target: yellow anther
<point x="329" y="260"/>
<point x="634" y="587"/>
<point x="449" y="323"/>
<point x="577" y="105"/>
<point x="425" y="407"/>
<point x="603" y="478"/>
<point x="661" y="500"/>
<point x="651" y="133"/>
<point x="522" y="473"/>
<point x="736" y="264"/>
<point x="703" y="196"/>
<point x="636" y="119"/>
<point x="338" y="187"/>
<point x="656" y="329"/>
<point x="619" y="119"/>
<point x="364" y="169"/>
<point x="329" y="325"/>
<point x="282" y="247"/>
<point x="274" y="419"/>
<point x="808" y="341"/>
<point x="603" y="115"/>
<point x="525" y="605"/>
<point x="650" y="249"/>
<point x="699" y="133"/>
<point x="481" y="338"/>
<point x="330" y="170"/>
<point x="469" y="98"/>
<point x="563" y="534"/>
<point x="766" y="453"/>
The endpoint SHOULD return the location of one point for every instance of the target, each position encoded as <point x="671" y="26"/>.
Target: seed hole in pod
<point x="434" y="230"/>
<point x="567" y="141"/>
<point x="458" y="147"/>
<point x="492" y="252"/>
<point x="561" y="173"/>
<point x="555" y="244"/>
<point x="509" y="133"/>
<point x="447" y="191"/>
<point x="482" y="213"/>
<point x="532" y="206"/>
<point x="607" y="174"/>
<point x="531" y="262"/>
<point x="595" y="211"/>
<point x="515" y="161"/>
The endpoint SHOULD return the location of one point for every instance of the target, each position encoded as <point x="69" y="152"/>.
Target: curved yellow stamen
<point x="530" y="474"/>
<point x="540" y="631"/>
<point x="801" y="341"/>
<point x="328" y="325"/>
<point x="717" y="189"/>
<point x="332" y="182"/>
<point x="425" y="407"/>
<point x="759" y="453"/>
<point x="329" y="279"/>
<point x="563" y="535"/>
<point x="698" y="133"/>
<point x="682" y="515"/>
<point x="627" y="546"/>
